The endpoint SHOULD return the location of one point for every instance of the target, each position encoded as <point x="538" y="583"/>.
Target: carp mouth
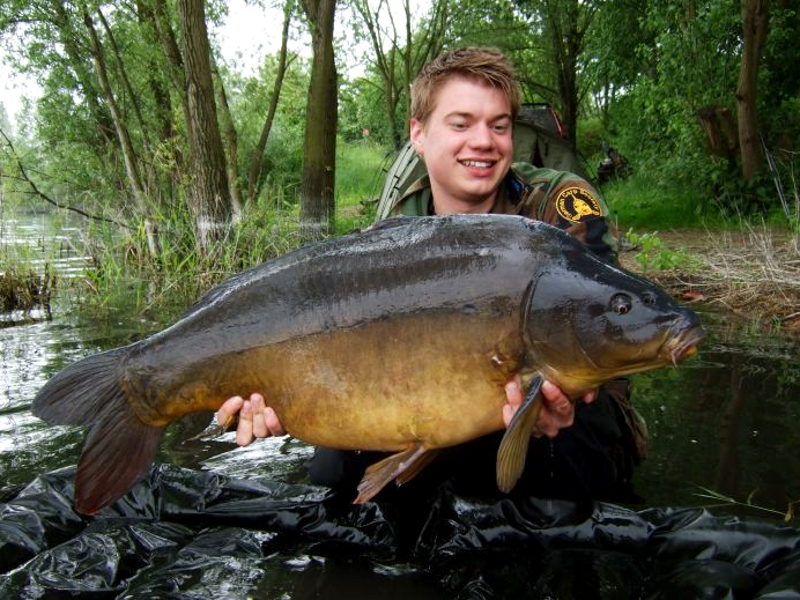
<point x="683" y="345"/>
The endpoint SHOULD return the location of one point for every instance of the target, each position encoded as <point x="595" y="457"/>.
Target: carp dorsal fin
<point x="391" y="223"/>
<point x="514" y="445"/>
<point x="382" y="472"/>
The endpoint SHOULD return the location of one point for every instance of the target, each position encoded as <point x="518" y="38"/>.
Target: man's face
<point x="466" y="144"/>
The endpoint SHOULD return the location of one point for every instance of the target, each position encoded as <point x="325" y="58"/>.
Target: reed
<point x="23" y="289"/>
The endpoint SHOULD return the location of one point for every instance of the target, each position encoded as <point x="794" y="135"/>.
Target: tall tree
<point x="400" y="48"/>
<point x="231" y="138"/>
<point x="208" y="192"/>
<point x="319" y="145"/>
<point x="256" y="161"/>
<point x="565" y="24"/>
<point x="132" y="162"/>
<point x="755" y="19"/>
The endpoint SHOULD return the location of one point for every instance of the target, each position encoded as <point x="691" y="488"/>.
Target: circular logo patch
<point x="576" y="203"/>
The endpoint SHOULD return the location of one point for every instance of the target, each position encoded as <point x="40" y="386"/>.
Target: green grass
<point x="653" y="255"/>
<point x="642" y="203"/>
<point x="360" y="169"/>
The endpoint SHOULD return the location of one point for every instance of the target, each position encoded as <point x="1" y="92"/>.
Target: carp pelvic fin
<point x="382" y="472"/>
<point x="119" y="448"/>
<point x="514" y="445"/>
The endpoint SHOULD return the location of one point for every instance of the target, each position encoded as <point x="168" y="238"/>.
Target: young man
<point x="463" y="108"/>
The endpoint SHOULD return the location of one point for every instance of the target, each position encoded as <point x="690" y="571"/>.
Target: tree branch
<point x="47" y="198"/>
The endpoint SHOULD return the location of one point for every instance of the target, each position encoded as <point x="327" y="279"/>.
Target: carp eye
<point x="621" y="303"/>
<point x="649" y="298"/>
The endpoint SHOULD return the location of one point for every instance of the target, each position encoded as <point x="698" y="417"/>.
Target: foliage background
<point x="636" y="73"/>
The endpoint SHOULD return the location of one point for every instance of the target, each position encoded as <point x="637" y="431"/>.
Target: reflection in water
<point x="724" y="421"/>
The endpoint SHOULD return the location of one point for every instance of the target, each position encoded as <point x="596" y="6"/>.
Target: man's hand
<point x="558" y="411"/>
<point x="256" y="420"/>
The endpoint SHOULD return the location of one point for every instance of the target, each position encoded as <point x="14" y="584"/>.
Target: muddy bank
<point x="754" y="274"/>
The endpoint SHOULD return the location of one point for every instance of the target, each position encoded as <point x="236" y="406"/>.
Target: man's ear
<point x="417" y="135"/>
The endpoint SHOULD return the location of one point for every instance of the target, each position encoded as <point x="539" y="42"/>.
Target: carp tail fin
<point x="117" y="453"/>
<point x="119" y="448"/>
<point x="382" y="472"/>
<point x="76" y="394"/>
<point x="514" y="445"/>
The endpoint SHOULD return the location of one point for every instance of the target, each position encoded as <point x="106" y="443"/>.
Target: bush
<point x="640" y="201"/>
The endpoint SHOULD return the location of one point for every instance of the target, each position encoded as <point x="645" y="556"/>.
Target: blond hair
<point x="487" y="65"/>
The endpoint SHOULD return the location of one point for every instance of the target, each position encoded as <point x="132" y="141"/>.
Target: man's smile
<point x="480" y="164"/>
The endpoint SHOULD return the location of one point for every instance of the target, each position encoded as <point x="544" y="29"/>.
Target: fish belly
<point x="434" y="378"/>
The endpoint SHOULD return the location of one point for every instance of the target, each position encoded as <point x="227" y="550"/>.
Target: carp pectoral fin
<point x="382" y="472"/>
<point x="215" y="430"/>
<point x="514" y="445"/>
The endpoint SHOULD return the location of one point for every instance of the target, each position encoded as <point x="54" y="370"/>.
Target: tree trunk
<point x="567" y="21"/>
<point x="166" y="180"/>
<point x="231" y="144"/>
<point x="169" y="45"/>
<point x="755" y="18"/>
<point x="72" y="44"/>
<point x="126" y="145"/>
<point x="254" y="172"/>
<point x="319" y="147"/>
<point x="207" y="190"/>
<point x="123" y="75"/>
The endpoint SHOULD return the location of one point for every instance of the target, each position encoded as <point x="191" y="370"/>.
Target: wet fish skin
<point x="398" y="339"/>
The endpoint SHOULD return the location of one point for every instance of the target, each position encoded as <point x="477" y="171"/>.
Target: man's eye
<point x="501" y="128"/>
<point x="458" y="126"/>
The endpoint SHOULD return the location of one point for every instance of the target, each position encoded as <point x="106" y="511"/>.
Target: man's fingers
<point x="258" y="416"/>
<point x="514" y="395"/>
<point x="558" y="411"/>
<point x="244" y="432"/>
<point x="508" y="414"/>
<point x="514" y="398"/>
<point x="272" y="422"/>
<point x="229" y="408"/>
<point x="553" y="393"/>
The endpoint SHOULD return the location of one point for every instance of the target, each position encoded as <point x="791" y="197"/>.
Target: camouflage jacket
<point x="556" y="197"/>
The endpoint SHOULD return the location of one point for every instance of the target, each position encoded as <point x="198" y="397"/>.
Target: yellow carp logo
<point x="577" y="203"/>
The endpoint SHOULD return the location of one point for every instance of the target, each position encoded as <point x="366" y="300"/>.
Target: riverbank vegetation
<point x="186" y="168"/>
<point x="23" y="289"/>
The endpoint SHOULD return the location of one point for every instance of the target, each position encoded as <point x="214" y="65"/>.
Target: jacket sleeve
<point x="571" y="203"/>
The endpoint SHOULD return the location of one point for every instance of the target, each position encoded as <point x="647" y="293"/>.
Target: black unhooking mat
<point x="196" y="534"/>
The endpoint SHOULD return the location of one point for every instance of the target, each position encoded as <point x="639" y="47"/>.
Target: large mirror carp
<point x="399" y="338"/>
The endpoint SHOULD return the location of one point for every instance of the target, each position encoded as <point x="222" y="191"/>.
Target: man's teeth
<point x="480" y="164"/>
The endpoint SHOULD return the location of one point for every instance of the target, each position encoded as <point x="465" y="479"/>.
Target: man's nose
<point x="482" y="136"/>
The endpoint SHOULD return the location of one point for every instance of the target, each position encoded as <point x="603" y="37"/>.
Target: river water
<point x="725" y="420"/>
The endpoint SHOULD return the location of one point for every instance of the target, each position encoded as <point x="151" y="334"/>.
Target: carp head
<point x="586" y="322"/>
